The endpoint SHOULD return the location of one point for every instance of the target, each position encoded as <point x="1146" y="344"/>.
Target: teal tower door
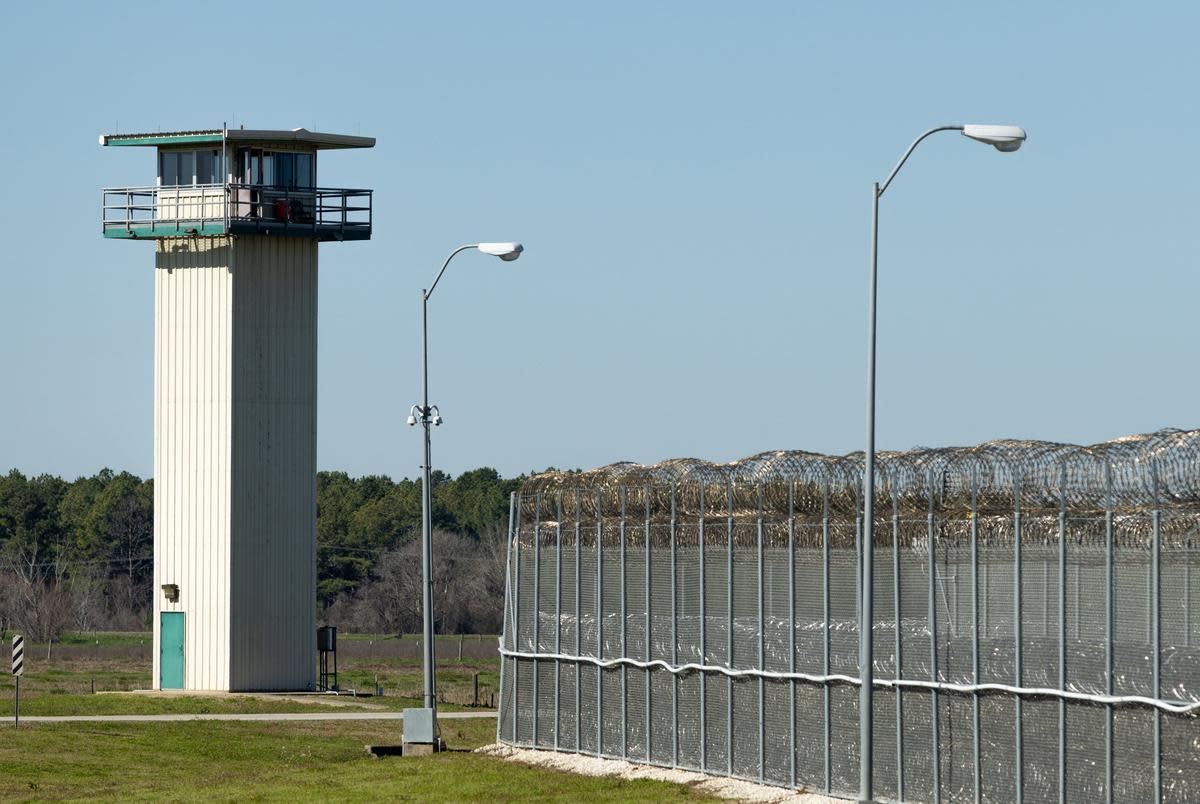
<point x="170" y="652"/>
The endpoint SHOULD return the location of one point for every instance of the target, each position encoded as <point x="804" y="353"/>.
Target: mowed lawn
<point x="292" y="761"/>
<point x="61" y="684"/>
<point x="192" y="761"/>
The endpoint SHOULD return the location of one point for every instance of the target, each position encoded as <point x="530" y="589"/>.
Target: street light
<point x="429" y="415"/>
<point x="505" y="251"/>
<point x="1003" y="138"/>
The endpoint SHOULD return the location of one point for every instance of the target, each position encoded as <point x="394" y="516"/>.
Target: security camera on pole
<point x="420" y="725"/>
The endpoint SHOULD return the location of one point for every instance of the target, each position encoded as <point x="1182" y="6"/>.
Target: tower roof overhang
<point x="316" y="139"/>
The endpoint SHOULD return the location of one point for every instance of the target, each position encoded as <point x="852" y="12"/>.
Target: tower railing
<point x="206" y="209"/>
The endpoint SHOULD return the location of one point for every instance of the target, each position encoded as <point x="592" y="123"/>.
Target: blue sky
<point x="692" y="183"/>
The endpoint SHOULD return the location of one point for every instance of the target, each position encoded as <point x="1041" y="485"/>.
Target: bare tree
<point x="392" y="601"/>
<point x="492" y="558"/>
<point x="87" y="597"/>
<point x="468" y="586"/>
<point x="39" y="604"/>
<point x="130" y="528"/>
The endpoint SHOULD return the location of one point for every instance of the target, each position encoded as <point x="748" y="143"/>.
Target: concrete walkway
<point x="280" y="716"/>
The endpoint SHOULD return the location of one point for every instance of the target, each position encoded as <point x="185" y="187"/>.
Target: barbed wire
<point x="1159" y="468"/>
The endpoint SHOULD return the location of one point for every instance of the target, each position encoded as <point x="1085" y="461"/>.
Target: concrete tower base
<point x="235" y="388"/>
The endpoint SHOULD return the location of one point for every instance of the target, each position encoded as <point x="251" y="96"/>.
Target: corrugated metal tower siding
<point x="235" y="457"/>
<point x="192" y="387"/>
<point x="274" y="464"/>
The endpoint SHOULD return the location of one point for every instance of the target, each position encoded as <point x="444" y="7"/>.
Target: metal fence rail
<point x="1033" y="638"/>
<point x="236" y="208"/>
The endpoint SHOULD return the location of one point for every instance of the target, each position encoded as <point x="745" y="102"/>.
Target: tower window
<point x="276" y="168"/>
<point x="190" y="167"/>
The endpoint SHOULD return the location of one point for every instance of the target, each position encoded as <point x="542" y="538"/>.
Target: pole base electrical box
<point x="420" y="732"/>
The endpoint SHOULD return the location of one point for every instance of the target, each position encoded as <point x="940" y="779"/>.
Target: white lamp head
<point x="1004" y="138"/>
<point x="505" y="251"/>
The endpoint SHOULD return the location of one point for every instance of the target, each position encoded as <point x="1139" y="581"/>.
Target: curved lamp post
<point x="429" y="415"/>
<point x="1003" y="138"/>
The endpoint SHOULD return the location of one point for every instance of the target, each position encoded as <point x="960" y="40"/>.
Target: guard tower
<point x="235" y="217"/>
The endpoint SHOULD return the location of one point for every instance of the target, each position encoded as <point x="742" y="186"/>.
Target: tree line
<point x="78" y="555"/>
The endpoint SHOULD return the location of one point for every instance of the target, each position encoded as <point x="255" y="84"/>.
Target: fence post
<point x="1062" y="635"/>
<point x="729" y="629"/>
<point x="792" y="627"/>
<point x="978" y="773"/>
<point x="475" y="689"/>
<point x="1156" y="606"/>
<point x="762" y="650"/>
<point x="1109" y="634"/>
<point x="557" y="613"/>
<point x="896" y="609"/>
<point x="537" y="605"/>
<point x="826" y="634"/>
<point x="703" y="643"/>
<point x="674" y="640"/>
<point x="1019" y="778"/>
<point x="599" y="624"/>
<point x="624" y="628"/>
<point x="935" y="730"/>
<point x="578" y="617"/>
<point x="649" y="629"/>
<point x="515" y="524"/>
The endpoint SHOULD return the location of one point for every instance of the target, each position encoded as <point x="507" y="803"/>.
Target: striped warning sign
<point x="18" y="655"/>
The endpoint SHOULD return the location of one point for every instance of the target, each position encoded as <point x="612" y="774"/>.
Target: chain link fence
<point x="1034" y="635"/>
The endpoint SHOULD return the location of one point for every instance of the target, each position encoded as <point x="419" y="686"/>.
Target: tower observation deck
<point x="237" y="182"/>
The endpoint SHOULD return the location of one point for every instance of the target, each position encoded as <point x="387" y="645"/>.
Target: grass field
<point x="62" y="684"/>
<point x="194" y="761"/>
<point x="187" y="761"/>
